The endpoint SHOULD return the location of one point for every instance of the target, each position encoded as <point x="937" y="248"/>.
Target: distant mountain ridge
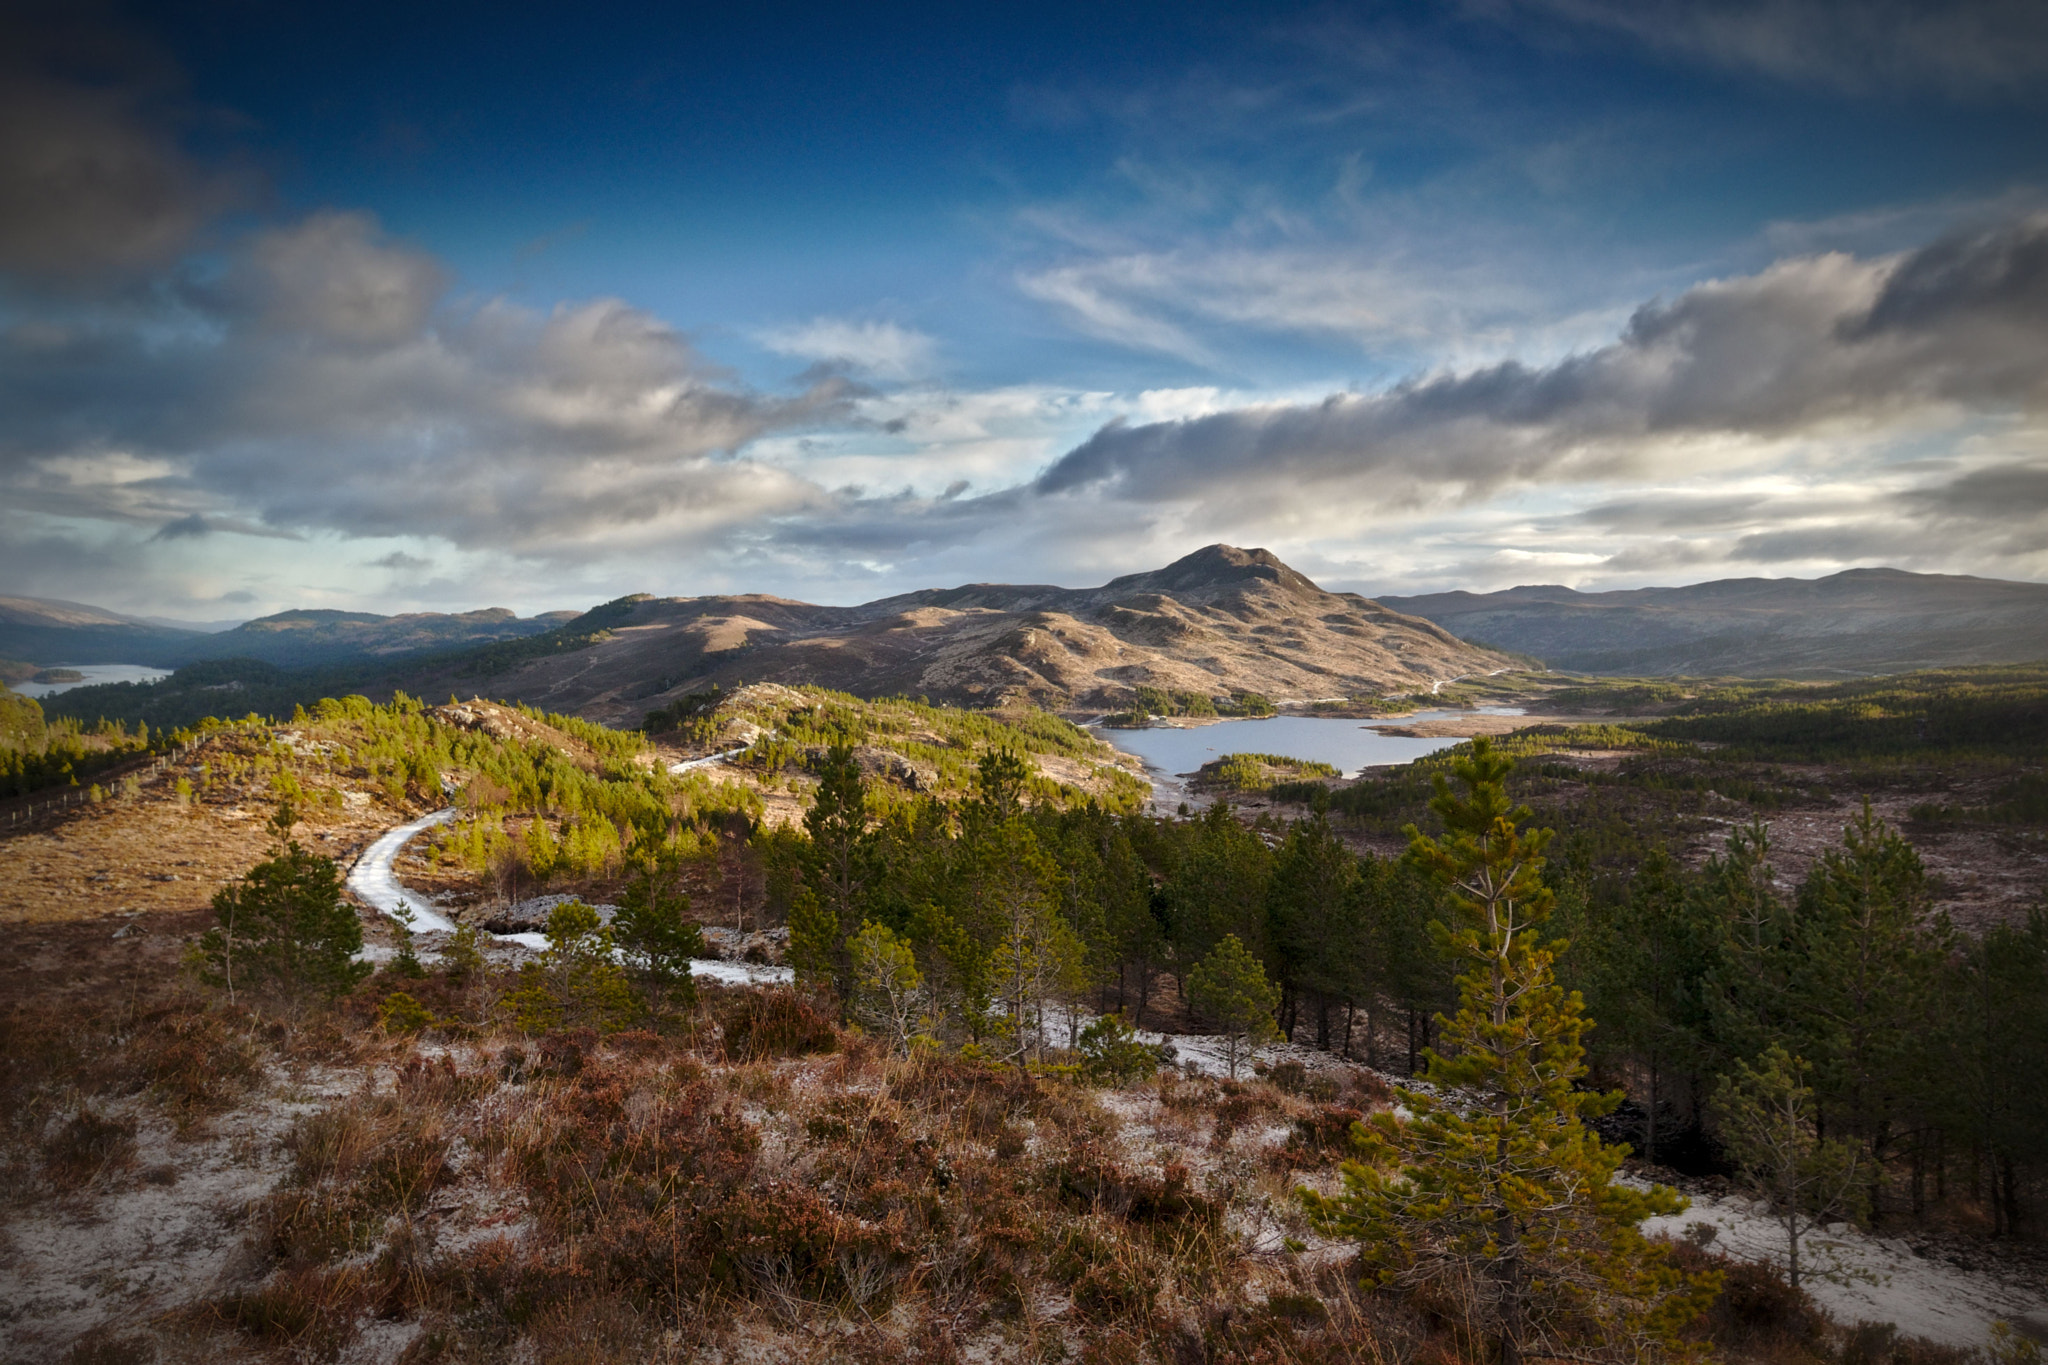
<point x="1856" y="622"/>
<point x="52" y="631"/>
<point x="1218" y="622"/>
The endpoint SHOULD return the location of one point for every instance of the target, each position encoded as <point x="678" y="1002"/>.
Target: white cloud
<point x="882" y="349"/>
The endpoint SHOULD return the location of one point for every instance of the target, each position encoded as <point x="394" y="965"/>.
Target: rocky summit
<point x="1219" y="622"/>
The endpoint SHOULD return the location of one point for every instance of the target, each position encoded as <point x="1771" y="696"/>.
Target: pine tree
<point x="1867" y="963"/>
<point x="889" y="995"/>
<point x="658" y="937"/>
<point x="1229" y="988"/>
<point x="1996" y="1049"/>
<point x="578" y="982"/>
<point x="284" y="928"/>
<point x="1657" y="959"/>
<point x="1494" y="1187"/>
<point x="1317" y="923"/>
<point x="1764" y="1116"/>
<point x="841" y="869"/>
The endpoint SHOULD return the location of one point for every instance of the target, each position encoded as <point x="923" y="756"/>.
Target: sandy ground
<point x="1860" y="1277"/>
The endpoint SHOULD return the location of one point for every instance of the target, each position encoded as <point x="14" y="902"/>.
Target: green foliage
<point x="1258" y="772"/>
<point x="889" y="996"/>
<point x="1951" y="713"/>
<point x="944" y="744"/>
<point x="403" y="1013"/>
<point x="1766" y="1123"/>
<point x="653" y="930"/>
<point x="1500" y="1194"/>
<point x="577" y="983"/>
<point x="462" y="957"/>
<point x="1863" y="965"/>
<point x="1230" y="989"/>
<point x="283" y="930"/>
<point x="38" y="752"/>
<point x="842" y="867"/>
<point x="1113" y="1054"/>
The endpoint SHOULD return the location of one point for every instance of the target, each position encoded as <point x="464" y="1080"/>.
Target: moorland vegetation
<point x="949" y="1138"/>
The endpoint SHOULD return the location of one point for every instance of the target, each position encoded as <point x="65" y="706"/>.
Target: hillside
<point x="1218" y="622"/>
<point x="1857" y="622"/>
<point x="48" y="631"/>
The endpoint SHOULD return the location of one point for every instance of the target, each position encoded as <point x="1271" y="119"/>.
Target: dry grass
<point x="752" y="1184"/>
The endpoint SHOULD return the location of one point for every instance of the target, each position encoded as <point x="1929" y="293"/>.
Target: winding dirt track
<point x="375" y="879"/>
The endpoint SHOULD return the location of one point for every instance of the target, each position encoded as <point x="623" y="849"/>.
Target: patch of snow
<point x="375" y="880"/>
<point x="708" y="761"/>
<point x="1859" y="1277"/>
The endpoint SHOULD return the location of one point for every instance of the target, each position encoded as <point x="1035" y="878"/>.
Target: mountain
<point x="1218" y="622"/>
<point x="48" y="631"/>
<point x="1858" y="622"/>
<point x="299" y="638"/>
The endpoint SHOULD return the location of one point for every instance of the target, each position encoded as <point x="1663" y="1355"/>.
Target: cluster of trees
<point x="38" y="752"/>
<point x="1147" y="702"/>
<point x="1914" y="1045"/>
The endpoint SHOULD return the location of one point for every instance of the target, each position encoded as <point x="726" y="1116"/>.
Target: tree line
<point x="1915" y="1045"/>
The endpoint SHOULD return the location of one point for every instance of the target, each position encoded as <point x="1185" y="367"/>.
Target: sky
<point x="431" y="308"/>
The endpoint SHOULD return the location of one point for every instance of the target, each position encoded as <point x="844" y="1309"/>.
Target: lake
<point x="1344" y="744"/>
<point x="94" y="673"/>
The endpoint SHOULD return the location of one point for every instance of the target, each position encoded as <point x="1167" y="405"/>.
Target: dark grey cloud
<point x="2009" y="492"/>
<point x="184" y="528"/>
<point x="402" y="562"/>
<point x="326" y="380"/>
<point x="1967" y="49"/>
<point x="96" y="187"/>
<point x="1821" y="342"/>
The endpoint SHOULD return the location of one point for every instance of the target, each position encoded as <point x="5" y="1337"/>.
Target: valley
<point x="909" y="991"/>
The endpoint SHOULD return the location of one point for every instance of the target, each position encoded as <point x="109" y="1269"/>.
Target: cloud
<point x="326" y="380"/>
<point x="2010" y="492"/>
<point x="1731" y="367"/>
<point x="184" y="528"/>
<point x="401" y="562"/>
<point x="95" y="187"/>
<point x="1964" y="48"/>
<point x="1162" y="300"/>
<point x="882" y="349"/>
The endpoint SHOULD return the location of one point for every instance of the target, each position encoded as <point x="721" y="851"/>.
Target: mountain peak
<point x="1214" y="566"/>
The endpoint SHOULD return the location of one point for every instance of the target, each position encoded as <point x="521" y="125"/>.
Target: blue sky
<point x="374" y="308"/>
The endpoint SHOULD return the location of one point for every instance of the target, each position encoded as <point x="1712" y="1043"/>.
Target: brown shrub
<point x="778" y="1023"/>
<point x="976" y="1099"/>
<point x="793" y="1246"/>
<point x="1290" y="1077"/>
<point x="310" y="1306"/>
<point x="87" y="1146"/>
<point x="1319" y="1137"/>
<point x="589" y="1332"/>
<point x="1091" y="1180"/>
<point x="106" y="1347"/>
<point x="1110" y="1280"/>
<point x="1239" y="1105"/>
<point x="196" y="1062"/>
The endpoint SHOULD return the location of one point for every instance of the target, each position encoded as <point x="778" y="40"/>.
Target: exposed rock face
<point x="1218" y="622"/>
<point x="1858" y="622"/>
